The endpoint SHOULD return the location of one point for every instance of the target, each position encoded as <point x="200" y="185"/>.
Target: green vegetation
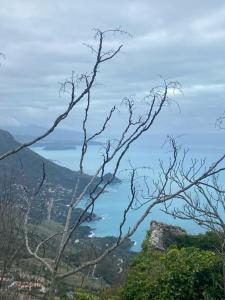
<point x="188" y="270"/>
<point x="187" y="273"/>
<point x="83" y="295"/>
<point x="207" y="241"/>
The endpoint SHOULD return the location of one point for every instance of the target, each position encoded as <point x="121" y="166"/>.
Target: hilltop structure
<point x="162" y="235"/>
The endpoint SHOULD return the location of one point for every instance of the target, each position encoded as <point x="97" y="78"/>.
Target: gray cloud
<point x="180" y="40"/>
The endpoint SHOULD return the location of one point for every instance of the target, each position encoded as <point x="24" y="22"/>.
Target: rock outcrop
<point x="163" y="235"/>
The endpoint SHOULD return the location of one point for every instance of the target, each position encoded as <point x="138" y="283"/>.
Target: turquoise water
<point x="111" y="204"/>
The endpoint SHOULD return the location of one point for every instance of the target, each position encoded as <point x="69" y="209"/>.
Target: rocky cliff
<point x="163" y="235"/>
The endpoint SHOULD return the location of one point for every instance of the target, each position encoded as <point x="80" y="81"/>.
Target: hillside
<point x="26" y="168"/>
<point x="29" y="164"/>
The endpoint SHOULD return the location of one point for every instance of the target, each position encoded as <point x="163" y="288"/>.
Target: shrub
<point x="185" y="274"/>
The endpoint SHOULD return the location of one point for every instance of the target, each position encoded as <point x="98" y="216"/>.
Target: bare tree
<point x="204" y="203"/>
<point x="112" y="154"/>
<point x="11" y="228"/>
<point x="220" y="121"/>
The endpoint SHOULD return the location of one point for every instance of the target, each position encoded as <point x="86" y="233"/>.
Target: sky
<point x="43" y="42"/>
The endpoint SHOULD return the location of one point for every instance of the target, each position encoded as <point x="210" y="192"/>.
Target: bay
<point x="110" y="205"/>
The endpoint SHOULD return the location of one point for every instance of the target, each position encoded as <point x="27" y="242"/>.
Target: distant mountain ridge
<point x="59" y="139"/>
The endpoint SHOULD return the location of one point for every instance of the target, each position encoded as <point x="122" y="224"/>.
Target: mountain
<point x="60" y="139"/>
<point x="25" y="168"/>
<point x="28" y="164"/>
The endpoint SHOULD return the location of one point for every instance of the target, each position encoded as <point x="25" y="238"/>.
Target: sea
<point x="145" y="157"/>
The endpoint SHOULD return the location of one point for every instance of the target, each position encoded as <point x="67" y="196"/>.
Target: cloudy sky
<point x="183" y="41"/>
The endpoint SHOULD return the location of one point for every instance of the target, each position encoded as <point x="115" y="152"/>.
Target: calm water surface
<point x="111" y="204"/>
